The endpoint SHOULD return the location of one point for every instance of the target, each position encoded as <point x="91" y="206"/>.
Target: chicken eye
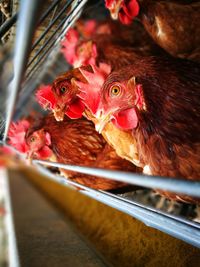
<point x="32" y="139"/>
<point x="115" y="90"/>
<point x="63" y="89"/>
<point x="81" y="49"/>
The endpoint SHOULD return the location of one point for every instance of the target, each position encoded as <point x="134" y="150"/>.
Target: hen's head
<point x="69" y="44"/>
<point x="66" y="92"/>
<point x="86" y="53"/>
<point x="35" y="144"/>
<point x="91" y="27"/>
<point x="77" y="89"/>
<point x="121" y="100"/>
<point x="38" y="143"/>
<point x="86" y="28"/>
<point x="16" y="135"/>
<point x="76" y="52"/>
<point x="125" y="10"/>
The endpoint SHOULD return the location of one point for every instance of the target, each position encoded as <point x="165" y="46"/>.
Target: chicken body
<point x="173" y="25"/>
<point x="159" y="99"/>
<point x="118" y="48"/>
<point x="76" y="142"/>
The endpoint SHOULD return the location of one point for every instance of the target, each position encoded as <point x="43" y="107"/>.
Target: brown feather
<point x="76" y="142"/>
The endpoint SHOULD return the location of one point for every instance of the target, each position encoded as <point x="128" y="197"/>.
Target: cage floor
<point x="44" y="236"/>
<point x="123" y="240"/>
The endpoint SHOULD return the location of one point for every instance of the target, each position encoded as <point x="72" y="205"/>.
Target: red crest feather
<point x="109" y="3"/>
<point x="87" y="28"/>
<point x="45" y="97"/>
<point x="90" y="92"/>
<point x="69" y="45"/>
<point x="17" y="134"/>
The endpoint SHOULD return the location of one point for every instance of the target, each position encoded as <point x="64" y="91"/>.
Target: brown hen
<point x="174" y="25"/>
<point x="117" y="49"/>
<point x="76" y="142"/>
<point x="159" y="100"/>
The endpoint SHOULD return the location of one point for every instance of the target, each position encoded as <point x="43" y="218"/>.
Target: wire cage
<point x="36" y="59"/>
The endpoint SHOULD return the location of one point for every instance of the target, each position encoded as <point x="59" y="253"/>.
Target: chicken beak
<point x="59" y="113"/>
<point x="78" y="63"/>
<point x="102" y="121"/>
<point x="114" y="10"/>
<point x="29" y="157"/>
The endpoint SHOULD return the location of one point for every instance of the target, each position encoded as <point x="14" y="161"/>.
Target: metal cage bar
<point x="25" y="30"/>
<point x="182" y="229"/>
<point x="10" y="22"/>
<point x="174" y="185"/>
<point x="50" y="26"/>
<point x="7" y="25"/>
<point x="45" y="45"/>
<point x="49" y="10"/>
<point x="68" y="20"/>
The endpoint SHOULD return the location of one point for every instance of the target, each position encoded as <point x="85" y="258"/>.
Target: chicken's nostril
<point x="99" y="114"/>
<point x="57" y="107"/>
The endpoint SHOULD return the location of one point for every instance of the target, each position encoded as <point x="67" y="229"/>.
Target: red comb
<point x="45" y="97"/>
<point x="108" y="3"/>
<point x="90" y="27"/>
<point x="90" y="92"/>
<point x="17" y="134"/>
<point x="69" y="45"/>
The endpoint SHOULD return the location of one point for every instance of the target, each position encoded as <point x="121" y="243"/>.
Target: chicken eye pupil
<point x="115" y="90"/>
<point x="63" y="89"/>
<point x="32" y="139"/>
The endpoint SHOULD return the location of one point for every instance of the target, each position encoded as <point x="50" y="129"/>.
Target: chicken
<point x="88" y="28"/>
<point x="78" y="143"/>
<point x="158" y="99"/>
<point x="8" y="158"/>
<point x="175" y="26"/>
<point x="16" y="138"/>
<point x="102" y="48"/>
<point x="113" y="49"/>
<point x="65" y="97"/>
<point x="134" y="35"/>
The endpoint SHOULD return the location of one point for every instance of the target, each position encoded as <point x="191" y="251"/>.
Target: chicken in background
<point x="9" y="159"/>
<point x="78" y="143"/>
<point x="70" y="142"/>
<point x="65" y="97"/>
<point x="16" y="138"/>
<point x="173" y="25"/>
<point x="134" y="35"/>
<point x="158" y="99"/>
<point x="117" y="48"/>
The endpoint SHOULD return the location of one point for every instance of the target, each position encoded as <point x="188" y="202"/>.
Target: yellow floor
<point x="123" y="240"/>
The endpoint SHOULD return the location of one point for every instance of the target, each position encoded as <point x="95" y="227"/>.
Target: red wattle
<point x="129" y="11"/>
<point x="124" y="18"/>
<point x="131" y="8"/>
<point x="126" y="119"/>
<point x="44" y="153"/>
<point x="75" y="110"/>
